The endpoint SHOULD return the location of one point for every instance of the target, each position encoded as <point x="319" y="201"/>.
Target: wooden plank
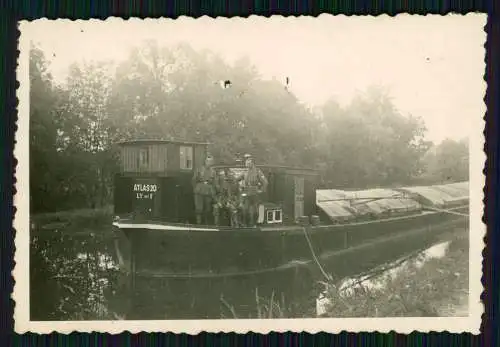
<point x="126" y="159"/>
<point x="128" y="155"/>
<point x="122" y="159"/>
<point x="159" y="158"/>
<point x="153" y="158"/>
<point x="132" y="159"/>
<point x="163" y="162"/>
<point x="173" y="157"/>
<point x="299" y="197"/>
<point x="199" y="153"/>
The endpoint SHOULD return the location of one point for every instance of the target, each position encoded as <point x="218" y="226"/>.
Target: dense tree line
<point x="175" y="92"/>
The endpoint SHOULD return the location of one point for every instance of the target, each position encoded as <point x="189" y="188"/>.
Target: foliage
<point x="370" y="143"/>
<point x="72" y="162"/>
<point x="43" y="135"/>
<point x="448" y="162"/>
<point x="174" y="92"/>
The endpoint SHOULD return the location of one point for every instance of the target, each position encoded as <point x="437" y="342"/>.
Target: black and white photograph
<point x="250" y="174"/>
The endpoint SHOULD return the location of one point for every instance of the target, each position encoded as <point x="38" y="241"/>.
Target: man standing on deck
<point x="204" y="191"/>
<point x="227" y="197"/>
<point x="254" y="183"/>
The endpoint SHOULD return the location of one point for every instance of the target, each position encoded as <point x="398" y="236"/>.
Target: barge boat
<point x="300" y="227"/>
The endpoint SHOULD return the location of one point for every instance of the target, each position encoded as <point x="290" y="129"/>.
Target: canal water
<point x="74" y="276"/>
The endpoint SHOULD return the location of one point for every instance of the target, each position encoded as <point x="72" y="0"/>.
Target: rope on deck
<point x="387" y="197"/>
<point x="447" y="211"/>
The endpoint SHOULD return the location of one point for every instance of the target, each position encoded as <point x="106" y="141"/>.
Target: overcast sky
<point x="433" y="66"/>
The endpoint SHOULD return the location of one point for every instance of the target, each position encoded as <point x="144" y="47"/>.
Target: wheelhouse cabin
<point x="155" y="183"/>
<point x="155" y="179"/>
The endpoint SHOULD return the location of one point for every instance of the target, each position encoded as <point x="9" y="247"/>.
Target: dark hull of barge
<point x="179" y="271"/>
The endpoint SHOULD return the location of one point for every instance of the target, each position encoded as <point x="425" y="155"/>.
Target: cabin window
<point x="143" y="159"/>
<point x="186" y="157"/>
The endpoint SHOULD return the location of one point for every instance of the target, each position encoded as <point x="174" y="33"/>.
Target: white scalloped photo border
<point x="312" y="325"/>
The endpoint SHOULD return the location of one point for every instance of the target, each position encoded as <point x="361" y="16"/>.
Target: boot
<point x="198" y="219"/>
<point x="251" y="218"/>
<point x="207" y="218"/>
<point x="234" y="220"/>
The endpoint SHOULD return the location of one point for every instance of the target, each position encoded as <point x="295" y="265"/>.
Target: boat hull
<point x="203" y="264"/>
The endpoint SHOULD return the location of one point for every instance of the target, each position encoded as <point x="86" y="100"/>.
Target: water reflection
<point x="104" y="261"/>
<point x="72" y="275"/>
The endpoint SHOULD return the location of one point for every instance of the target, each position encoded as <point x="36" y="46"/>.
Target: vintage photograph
<point x="261" y="174"/>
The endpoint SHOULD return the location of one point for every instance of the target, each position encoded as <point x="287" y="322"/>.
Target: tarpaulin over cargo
<point x="346" y="205"/>
<point x="334" y="204"/>
<point x="446" y="195"/>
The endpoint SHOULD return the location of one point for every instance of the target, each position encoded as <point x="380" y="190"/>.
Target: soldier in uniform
<point x="227" y="197"/>
<point x="204" y="190"/>
<point x="254" y="183"/>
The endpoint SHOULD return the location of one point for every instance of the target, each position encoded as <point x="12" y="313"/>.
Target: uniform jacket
<point x="226" y="186"/>
<point x="227" y="191"/>
<point x="204" y="180"/>
<point x="254" y="180"/>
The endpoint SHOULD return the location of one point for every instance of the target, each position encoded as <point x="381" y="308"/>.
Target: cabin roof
<point x="160" y="141"/>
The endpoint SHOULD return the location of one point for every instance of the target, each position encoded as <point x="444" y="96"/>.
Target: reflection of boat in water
<point x="299" y="225"/>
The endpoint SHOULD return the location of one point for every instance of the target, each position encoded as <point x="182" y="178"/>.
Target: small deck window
<point x="274" y="216"/>
<point x="186" y="157"/>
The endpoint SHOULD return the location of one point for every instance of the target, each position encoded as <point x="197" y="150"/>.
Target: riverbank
<point x="434" y="283"/>
<point x="81" y="221"/>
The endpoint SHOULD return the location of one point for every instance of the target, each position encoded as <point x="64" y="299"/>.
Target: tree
<point x="175" y="93"/>
<point x="369" y="143"/>
<point x="157" y="92"/>
<point x="448" y="162"/>
<point x="43" y="134"/>
<point x="87" y="132"/>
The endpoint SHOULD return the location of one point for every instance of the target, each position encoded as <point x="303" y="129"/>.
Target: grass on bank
<point x="438" y="288"/>
<point x="266" y="308"/>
